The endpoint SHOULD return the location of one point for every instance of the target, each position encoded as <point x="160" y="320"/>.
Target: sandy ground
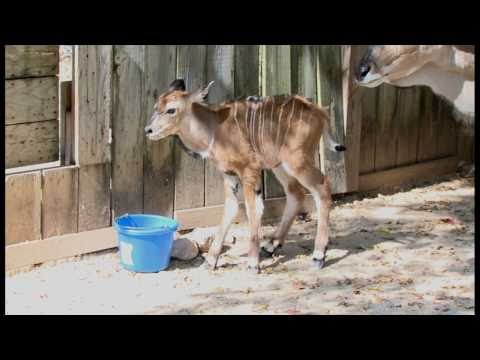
<point x="411" y="252"/>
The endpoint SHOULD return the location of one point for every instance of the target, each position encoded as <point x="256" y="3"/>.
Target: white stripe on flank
<point x="253" y="126"/>
<point x="271" y="118"/>
<point x="259" y="139"/>
<point x="247" y="109"/>
<point x="262" y="136"/>
<point x="289" y="122"/>
<point x="235" y="117"/>
<point x="279" y="123"/>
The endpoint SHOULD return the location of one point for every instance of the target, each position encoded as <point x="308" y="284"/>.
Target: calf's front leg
<point x="231" y="185"/>
<point x="254" y="207"/>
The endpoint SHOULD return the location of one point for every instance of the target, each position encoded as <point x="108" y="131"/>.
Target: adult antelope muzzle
<point x="243" y="137"/>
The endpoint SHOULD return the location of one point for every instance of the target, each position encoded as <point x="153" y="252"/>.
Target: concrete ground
<point x="410" y="252"/>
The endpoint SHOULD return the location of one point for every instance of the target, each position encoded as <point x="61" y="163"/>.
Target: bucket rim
<point x="171" y="226"/>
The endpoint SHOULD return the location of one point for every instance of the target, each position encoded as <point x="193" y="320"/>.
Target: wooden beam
<point x="212" y="215"/>
<point x="31" y="61"/>
<point x="59" y="201"/>
<point x="94" y="197"/>
<point x="31" y="100"/>
<point x="59" y="247"/>
<point x="405" y="174"/>
<point x="31" y="143"/>
<point x="23" y="194"/>
<point x="93" y="93"/>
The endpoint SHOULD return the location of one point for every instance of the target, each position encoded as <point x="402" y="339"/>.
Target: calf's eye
<point x="171" y="111"/>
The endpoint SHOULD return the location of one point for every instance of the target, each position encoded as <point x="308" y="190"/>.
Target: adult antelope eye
<point x="171" y="111"/>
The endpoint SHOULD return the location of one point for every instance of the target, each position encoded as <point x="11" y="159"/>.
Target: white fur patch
<point x="259" y="205"/>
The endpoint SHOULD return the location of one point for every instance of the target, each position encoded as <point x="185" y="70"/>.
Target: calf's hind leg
<point x="312" y="178"/>
<point x="295" y="196"/>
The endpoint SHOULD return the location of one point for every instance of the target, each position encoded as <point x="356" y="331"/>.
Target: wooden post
<point x="276" y="80"/>
<point x="220" y="63"/>
<point x="304" y="77"/>
<point x="158" y="166"/>
<point x="330" y="93"/>
<point x="189" y="172"/>
<point x="127" y="128"/>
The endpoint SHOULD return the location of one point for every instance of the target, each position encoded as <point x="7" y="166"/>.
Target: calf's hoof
<point x="319" y="263"/>
<point x="270" y="248"/>
<point x="210" y="262"/>
<point x="253" y="269"/>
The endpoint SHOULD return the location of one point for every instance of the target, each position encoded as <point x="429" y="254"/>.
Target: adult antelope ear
<point x="178" y="84"/>
<point x="202" y="94"/>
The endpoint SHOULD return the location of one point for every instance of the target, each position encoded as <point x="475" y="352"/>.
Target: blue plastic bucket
<point x="145" y="241"/>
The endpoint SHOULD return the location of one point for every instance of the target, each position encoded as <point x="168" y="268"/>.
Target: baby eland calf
<point x="244" y="136"/>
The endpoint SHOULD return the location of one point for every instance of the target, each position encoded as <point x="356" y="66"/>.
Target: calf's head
<point x="390" y="63"/>
<point x="173" y="108"/>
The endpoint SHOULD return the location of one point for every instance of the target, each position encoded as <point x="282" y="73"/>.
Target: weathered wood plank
<point x="158" y="167"/>
<point x="408" y="122"/>
<point x="59" y="247"/>
<point x="246" y="70"/>
<point x="31" y="61"/>
<point x="246" y="77"/>
<point x="59" y="201"/>
<point x="304" y="76"/>
<point x="31" y="143"/>
<point x="212" y="215"/>
<point x="369" y="120"/>
<point x="405" y="174"/>
<point x="93" y="102"/>
<point x="465" y="145"/>
<point x="220" y="63"/>
<point x="447" y="142"/>
<point x="387" y="130"/>
<point x="64" y="123"/>
<point x="127" y="128"/>
<point x="31" y="100"/>
<point x="330" y="93"/>
<point x="94" y="197"/>
<point x="427" y="142"/>
<point x="352" y="113"/>
<point x="189" y="172"/>
<point x="276" y="80"/>
<point x="23" y="193"/>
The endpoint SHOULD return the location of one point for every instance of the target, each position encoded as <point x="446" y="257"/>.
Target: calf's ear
<point x="178" y="84"/>
<point x="201" y="94"/>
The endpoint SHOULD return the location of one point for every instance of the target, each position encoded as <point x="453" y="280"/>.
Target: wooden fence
<point x="392" y="136"/>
